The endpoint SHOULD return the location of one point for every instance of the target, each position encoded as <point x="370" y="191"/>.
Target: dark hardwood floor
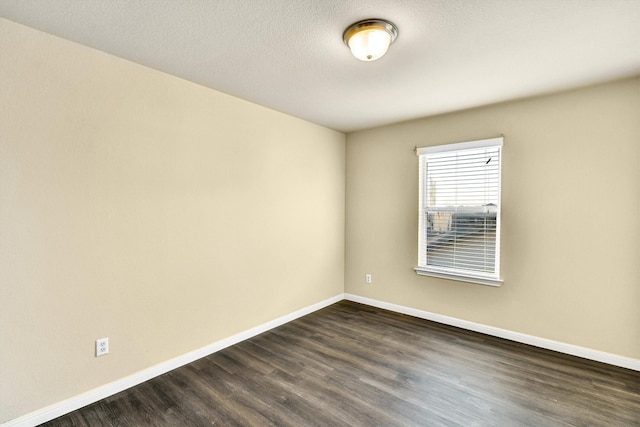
<point x="354" y="365"/>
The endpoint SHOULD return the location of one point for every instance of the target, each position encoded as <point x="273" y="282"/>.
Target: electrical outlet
<point x="367" y="278"/>
<point x="102" y="347"/>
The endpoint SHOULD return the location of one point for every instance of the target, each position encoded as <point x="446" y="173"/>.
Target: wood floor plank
<point x="355" y="365"/>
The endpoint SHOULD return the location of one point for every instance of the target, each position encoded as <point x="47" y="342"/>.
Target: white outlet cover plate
<point x="102" y="347"/>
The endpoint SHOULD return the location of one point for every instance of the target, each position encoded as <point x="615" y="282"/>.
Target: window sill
<point x="459" y="277"/>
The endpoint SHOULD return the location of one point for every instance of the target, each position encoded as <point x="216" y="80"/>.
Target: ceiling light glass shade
<point x="370" y="39"/>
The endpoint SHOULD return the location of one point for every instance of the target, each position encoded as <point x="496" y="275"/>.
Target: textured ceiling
<point x="288" y="55"/>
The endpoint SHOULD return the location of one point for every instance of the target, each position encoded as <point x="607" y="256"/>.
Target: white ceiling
<point x="288" y="55"/>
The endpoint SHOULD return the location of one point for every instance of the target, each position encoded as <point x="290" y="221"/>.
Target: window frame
<point x="491" y="279"/>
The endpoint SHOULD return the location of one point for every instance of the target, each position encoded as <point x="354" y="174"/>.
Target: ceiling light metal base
<point x="368" y="23"/>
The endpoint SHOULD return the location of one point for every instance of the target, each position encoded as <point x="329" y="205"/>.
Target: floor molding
<point x="574" y="350"/>
<point x="61" y="408"/>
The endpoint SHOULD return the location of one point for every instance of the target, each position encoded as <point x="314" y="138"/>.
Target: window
<point x="459" y="229"/>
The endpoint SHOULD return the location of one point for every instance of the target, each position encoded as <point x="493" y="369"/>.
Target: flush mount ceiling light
<point x="370" y="39"/>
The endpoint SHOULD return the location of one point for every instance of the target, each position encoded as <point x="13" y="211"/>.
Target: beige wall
<point x="571" y="217"/>
<point x="146" y="209"/>
<point x="141" y="207"/>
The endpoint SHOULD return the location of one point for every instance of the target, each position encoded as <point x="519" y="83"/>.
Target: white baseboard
<point x="77" y="402"/>
<point x="574" y="350"/>
<point x="58" y="409"/>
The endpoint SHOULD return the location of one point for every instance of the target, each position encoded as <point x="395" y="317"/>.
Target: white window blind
<point x="460" y="211"/>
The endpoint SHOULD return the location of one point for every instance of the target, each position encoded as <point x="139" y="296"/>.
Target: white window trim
<point x="481" y="143"/>
<point x="433" y="272"/>
<point x="444" y="273"/>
